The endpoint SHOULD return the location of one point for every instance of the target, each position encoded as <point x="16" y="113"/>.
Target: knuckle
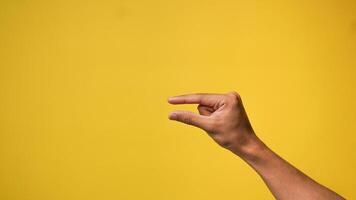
<point x="214" y="125"/>
<point x="186" y="119"/>
<point x="234" y="94"/>
<point x="217" y="123"/>
<point x="233" y="98"/>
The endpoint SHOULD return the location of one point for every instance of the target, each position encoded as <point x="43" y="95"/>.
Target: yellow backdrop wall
<point x="83" y="88"/>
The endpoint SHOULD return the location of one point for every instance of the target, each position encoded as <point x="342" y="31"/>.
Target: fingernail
<point x="172" y="116"/>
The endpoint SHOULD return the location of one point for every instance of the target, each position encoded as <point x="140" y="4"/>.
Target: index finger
<point x="198" y="98"/>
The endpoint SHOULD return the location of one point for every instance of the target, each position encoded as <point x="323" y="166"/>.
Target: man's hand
<point x="222" y="116"/>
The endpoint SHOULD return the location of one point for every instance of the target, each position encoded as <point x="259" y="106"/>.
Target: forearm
<point x="283" y="180"/>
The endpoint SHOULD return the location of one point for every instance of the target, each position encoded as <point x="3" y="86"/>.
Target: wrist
<point x="251" y="149"/>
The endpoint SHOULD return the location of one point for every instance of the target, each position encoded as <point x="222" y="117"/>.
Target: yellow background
<point x="83" y="88"/>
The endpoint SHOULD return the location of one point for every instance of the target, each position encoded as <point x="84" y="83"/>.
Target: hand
<point x="222" y="116"/>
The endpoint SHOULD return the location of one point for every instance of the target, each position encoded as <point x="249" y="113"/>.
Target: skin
<point x="225" y="120"/>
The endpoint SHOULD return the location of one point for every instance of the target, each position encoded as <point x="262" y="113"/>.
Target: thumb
<point x="190" y="118"/>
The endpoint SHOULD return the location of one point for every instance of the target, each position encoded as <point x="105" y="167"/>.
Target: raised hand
<point x="222" y="116"/>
